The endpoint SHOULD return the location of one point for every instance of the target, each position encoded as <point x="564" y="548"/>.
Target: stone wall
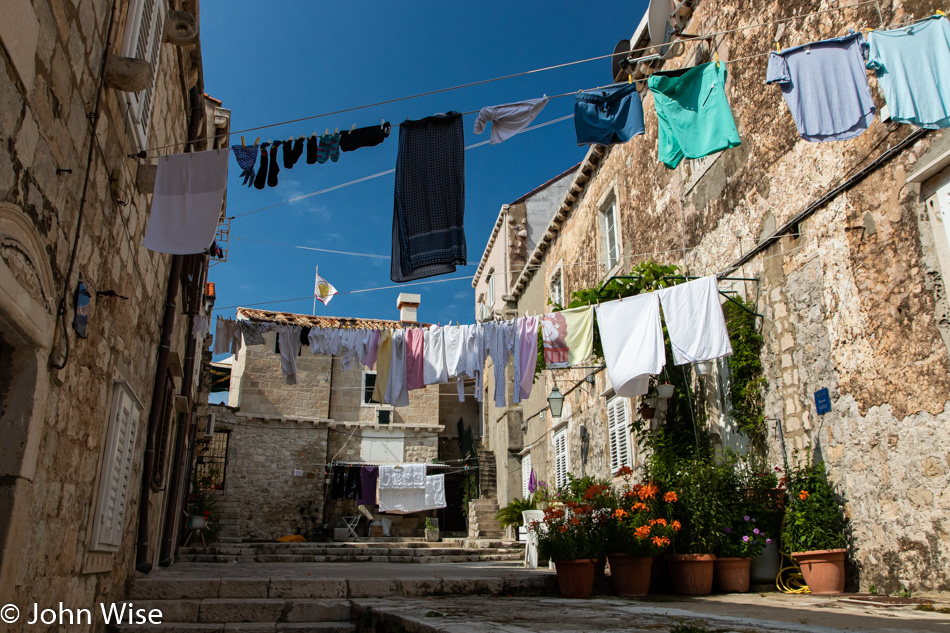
<point x="853" y="297"/>
<point x="56" y="230"/>
<point x="260" y="484"/>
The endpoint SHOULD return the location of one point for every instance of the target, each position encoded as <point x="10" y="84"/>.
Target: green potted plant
<point x="432" y="531"/>
<point x="641" y="527"/>
<point x="814" y="529"/>
<point x="742" y="541"/>
<point x="701" y="510"/>
<point x="510" y="515"/>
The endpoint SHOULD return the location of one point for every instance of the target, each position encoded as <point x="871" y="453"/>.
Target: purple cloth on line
<point x="528" y="355"/>
<point x="368" y="477"/>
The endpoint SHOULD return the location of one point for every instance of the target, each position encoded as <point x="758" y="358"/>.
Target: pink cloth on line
<point x="415" y="372"/>
<point x="527" y="354"/>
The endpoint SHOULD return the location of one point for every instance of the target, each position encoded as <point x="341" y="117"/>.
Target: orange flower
<point x="803" y="495"/>
<point x="670" y="497"/>
<point x="619" y="513"/>
<point x="676" y="526"/>
<point x="648" y="491"/>
<point x="575" y="521"/>
<point x="660" y="521"/>
<point x="563" y="528"/>
<point x="640" y="507"/>
<point x="642" y="532"/>
<point x="661" y="541"/>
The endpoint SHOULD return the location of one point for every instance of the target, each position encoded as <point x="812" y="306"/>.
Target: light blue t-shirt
<point x="912" y="64"/>
<point x="826" y="87"/>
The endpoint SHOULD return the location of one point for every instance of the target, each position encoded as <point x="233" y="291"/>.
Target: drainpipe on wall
<point x="142" y="564"/>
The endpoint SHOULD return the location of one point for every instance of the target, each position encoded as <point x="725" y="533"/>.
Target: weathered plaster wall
<point x="49" y="66"/>
<point x="854" y="301"/>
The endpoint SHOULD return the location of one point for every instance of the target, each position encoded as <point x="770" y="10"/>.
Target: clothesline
<point x="373" y="176"/>
<point x="511" y="76"/>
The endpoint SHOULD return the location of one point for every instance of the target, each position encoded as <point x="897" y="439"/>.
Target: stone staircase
<point x="290" y="599"/>
<point x="369" y="551"/>
<point x="482" y="523"/>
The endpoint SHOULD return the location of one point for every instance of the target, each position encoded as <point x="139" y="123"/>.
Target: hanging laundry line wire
<point x="566" y="94"/>
<point x="435" y="281"/>
<point x="510" y="76"/>
<point x="312" y="248"/>
<point x="372" y="176"/>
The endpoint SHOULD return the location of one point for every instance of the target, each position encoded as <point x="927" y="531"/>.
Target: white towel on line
<point x="407" y="476"/>
<point x="695" y="321"/>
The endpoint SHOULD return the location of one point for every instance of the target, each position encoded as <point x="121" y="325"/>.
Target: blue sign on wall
<point x="823" y="401"/>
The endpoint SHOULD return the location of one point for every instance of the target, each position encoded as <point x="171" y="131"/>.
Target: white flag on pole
<point x="322" y="289"/>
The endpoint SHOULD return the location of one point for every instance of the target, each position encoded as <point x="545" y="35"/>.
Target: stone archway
<point x="27" y="324"/>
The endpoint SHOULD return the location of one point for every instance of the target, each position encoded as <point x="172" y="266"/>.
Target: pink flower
<point x="745" y="539"/>
<point x="747" y="518"/>
<point x="768" y="540"/>
<point x="755" y="531"/>
<point x="728" y="530"/>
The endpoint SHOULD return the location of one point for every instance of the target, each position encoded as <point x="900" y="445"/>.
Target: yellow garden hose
<point x="790" y="579"/>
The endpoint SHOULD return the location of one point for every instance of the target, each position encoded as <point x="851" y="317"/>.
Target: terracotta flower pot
<point x="630" y="574"/>
<point x="647" y="413"/>
<point x="692" y="574"/>
<point x="731" y="575"/>
<point x="823" y="570"/>
<point x="575" y="578"/>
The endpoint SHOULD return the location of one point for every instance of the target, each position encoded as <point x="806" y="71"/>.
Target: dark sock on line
<point x="260" y="181"/>
<point x="312" y="150"/>
<point x="274" y="167"/>
<point x="292" y="152"/>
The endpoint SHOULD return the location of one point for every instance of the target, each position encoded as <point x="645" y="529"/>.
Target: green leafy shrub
<point x="813" y="519"/>
<point x="511" y="513"/>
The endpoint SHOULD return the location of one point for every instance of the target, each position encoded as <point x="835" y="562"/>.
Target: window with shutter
<point x="161" y="438"/>
<point x="560" y="459"/>
<point x="143" y="40"/>
<point x="525" y="475"/>
<point x="115" y="477"/>
<point x="621" y="450"/>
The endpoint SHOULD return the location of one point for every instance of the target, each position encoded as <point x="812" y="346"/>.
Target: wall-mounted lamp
<point x="556" y="402"/>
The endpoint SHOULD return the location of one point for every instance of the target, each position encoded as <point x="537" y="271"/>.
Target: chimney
<point x="407" y="304"/>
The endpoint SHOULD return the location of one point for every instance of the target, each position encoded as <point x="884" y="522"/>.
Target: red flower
<point x="803" y="495"/>
<point x="670" y="497"/>
<point x="625" y="471"/>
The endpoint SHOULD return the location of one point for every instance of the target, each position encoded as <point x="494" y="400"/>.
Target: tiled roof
<point x="291" y="318"/>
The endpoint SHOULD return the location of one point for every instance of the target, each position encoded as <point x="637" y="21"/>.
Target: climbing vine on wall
<point x="748" y="374"/>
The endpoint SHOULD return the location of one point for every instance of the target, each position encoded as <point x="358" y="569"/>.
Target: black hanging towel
<point x="338" y="485"/>
<point x="364" y="137"/>
<point x="354" y="488"/>
<point x="429" y="210"/>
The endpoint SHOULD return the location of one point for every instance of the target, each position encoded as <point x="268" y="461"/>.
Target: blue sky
<point x="297" y="59"/>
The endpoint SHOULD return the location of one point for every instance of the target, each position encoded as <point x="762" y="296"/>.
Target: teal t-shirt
<point x="693" y="112"/>
<point x="912" y="65"/>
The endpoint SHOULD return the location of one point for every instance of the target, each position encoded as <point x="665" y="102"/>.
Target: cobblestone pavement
<point x="748" y="613"/>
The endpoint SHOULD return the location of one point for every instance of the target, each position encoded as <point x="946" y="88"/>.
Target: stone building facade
<point x="276" y="430"/>
<point x="93" y="420"/>
<point x="847" y="245"/>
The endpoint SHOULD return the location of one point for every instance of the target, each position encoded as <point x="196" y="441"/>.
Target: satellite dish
<point x="621" y="52"/>
<point x="660" y="25"/>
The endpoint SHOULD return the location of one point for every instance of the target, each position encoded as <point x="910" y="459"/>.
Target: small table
<point x="351" y="522"/>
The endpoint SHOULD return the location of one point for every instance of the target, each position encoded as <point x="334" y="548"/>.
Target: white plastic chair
<point x="531" y="541"/>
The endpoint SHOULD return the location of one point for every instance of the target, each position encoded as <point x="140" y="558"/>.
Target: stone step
<point x="331" y="593"/>
<point x="244" y="627"/>
<point x="469" y="555"/>
<point x="226" y="610"/>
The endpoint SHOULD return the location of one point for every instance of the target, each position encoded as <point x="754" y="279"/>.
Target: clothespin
<point x="939" y="12"/>
<point x="629" y="79"/>
<point x="353" y="127"/>
<point x="326" y="131"/>
<point x="242" y="142"/>
<point x="336" y="130"/>
<point x="256" y="140"/>
<point x="778" y="49"/>
<point x="382" y="125"/>
<point x="716" y="57"/>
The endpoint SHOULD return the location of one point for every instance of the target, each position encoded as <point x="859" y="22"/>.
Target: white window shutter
<point x="525" y="475"/>
<point x="617" y="423"/>
<point x="143" y="40"/>
<point x="116" y="476"/>
<point x="560" y="459"/>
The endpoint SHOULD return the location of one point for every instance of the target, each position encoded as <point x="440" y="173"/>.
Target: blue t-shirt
<point x="826" y="87"/>
<point x="912" y="64"/>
